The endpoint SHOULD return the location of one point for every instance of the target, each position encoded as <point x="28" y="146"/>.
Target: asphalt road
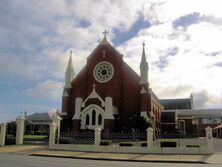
<point x="7" y="160"/>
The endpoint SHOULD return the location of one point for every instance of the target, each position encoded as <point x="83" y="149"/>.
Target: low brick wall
<point x="130" y="149"/>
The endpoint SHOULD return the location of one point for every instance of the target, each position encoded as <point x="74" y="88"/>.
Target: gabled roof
<point x="39" y="117"/>
<point x="104" y="44"/>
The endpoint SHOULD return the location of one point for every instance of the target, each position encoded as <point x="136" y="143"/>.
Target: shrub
<point x="168" y="144"/>
<point x="105" y="143"/>
<point x="196" y="146"/>
<point x="144" y="144"/>
<point x="64" y="140"/>
<point x="126" y="144"/>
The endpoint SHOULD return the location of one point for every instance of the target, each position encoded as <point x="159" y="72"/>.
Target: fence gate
<point x="36" y="134"/>
<point x="10" y="136"/>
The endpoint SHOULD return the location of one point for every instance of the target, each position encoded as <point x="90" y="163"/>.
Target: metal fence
<point x="180" y="140"/>
<point x="10" y="139"/>
<point x="85" y="137"/>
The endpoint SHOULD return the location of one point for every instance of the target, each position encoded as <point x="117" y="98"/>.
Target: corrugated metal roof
<point x="39" y="117"/>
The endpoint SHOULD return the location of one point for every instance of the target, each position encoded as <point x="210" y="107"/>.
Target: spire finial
<point x="70" y="52"/>
<point x="105" y="32"/>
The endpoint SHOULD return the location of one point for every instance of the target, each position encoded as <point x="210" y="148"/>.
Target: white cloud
<point x="192" y="68"/>
<point x="204" y="99"/>
<point x="170" y="10"/>
<point x="50" y="90"/>
<point x="36" y="39"/>
<point x="14" y="67"/>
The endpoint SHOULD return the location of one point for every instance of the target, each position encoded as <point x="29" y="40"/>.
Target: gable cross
<point x="105" y="32"/>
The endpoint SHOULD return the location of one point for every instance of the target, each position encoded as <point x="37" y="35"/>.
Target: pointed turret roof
<point x="70" y="65"/>
<point x="143" y="68"/>
<point x="69" y="75"/>
<point x="143" y="59"/>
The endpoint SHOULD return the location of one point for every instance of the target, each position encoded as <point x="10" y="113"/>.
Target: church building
<point x="107" y="93"/>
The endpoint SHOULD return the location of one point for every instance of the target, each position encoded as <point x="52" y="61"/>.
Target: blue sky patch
<point x="84" y="23"/>
<point x="219" y="64"/>
<point x="187" y="20"/>
<point x="121" y="37"/>
<point x="195" y="18"/>
<point x="213" y="53"/>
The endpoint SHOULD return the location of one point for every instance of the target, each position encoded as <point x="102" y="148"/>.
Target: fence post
<point x="52" y="134"/>
<point x="149" y="137"/>
<point x="57" y="120"/>
<point x="209" y="138"/>
<point x="2" y="134"/>
<point x="97" y="136"/>
<point x="20" y="122"/>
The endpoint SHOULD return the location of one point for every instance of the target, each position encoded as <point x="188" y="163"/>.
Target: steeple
<point x="143" y="68"/>
<point x="69" y="75"/>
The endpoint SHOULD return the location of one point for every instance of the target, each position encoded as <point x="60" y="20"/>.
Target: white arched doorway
<point x="92" y="117"/>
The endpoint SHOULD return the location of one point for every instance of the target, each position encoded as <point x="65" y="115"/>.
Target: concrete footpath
<point x="35" y="150"/>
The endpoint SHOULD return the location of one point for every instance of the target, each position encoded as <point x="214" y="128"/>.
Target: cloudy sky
<point x="183" y="46"/>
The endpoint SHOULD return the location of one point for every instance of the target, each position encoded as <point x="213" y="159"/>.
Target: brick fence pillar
<point x="97" y="136"/>
<point x="2" y="133"/>
<point x="20" y="125"/>
<point x="52" y="134"/>
<point x="209" y="138"/>
<point x="149" y="137"/>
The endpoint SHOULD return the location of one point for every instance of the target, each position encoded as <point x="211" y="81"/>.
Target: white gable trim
<point x="94" y="95"/>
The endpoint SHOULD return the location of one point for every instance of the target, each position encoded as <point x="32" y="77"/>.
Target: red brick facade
<point x="124" y="88"/>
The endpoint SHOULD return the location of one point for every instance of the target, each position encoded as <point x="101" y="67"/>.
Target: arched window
<point x="182" y="125"/>
<point x="93" y="117"/>
<point x="87" y="119"/>
<point x="100" y="119"/>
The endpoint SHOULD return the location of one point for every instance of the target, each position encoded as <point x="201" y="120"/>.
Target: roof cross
<point x="105" y="32"/>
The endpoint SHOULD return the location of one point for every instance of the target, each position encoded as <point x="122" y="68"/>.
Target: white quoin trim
<point x="69" y="75"/>
<point x="78" y="104"/>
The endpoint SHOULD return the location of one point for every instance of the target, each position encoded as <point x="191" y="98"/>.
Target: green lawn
<point x="35" y="136"/>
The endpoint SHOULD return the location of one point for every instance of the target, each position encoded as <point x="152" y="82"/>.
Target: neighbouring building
<point x="38" y="123"/>
<point x="180" y="115"/>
